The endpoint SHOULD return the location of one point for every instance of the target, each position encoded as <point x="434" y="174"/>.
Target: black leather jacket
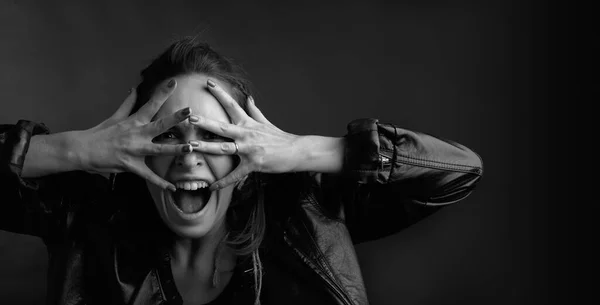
<point x="106" y="246"/>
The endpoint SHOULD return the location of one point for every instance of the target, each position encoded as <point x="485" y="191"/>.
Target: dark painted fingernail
<point x="211" y="83"/>
<point x="194" y="143"/>
<point x="186" y="111"/>
<point x="187" y="149"/>
<point x="194" y="119"/>
<point x="171" y="83"/>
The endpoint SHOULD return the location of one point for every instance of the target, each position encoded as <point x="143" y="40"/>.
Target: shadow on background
<point x="464" y="71"/>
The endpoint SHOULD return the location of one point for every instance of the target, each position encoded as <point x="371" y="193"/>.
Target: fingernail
<point x="187" y="149"/>
<point x="211" y="83"/>
<point x="194" y="143"/>
<point x="130" y="90"/>
<point x="186" y="111"/>
<point x="171" y="83"/>
<point x="171" y="188"/>
<point x="251" y="99"/>
<point x="194" y="119"/>
<point x="214" y="187"/>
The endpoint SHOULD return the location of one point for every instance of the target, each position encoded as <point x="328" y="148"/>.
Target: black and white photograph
<point x="275" y="152"/>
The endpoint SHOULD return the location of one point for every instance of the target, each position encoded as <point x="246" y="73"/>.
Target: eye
<point x="166" y="136"/>
<point x="209" y="136"/>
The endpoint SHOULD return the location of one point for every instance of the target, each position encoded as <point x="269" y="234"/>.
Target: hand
<point x="262" y="146"/>
<point x="122" y="142"/>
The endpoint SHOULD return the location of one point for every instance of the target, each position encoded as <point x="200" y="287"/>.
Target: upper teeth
<point x="191" y="185"/>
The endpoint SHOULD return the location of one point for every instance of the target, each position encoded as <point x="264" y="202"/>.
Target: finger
<point x="143" y="171"/>
<point x="161" y="125"/>
<point x="162" y="93"/>
<point x="220" y="128"/>
<point x="153" y="149"/>
<point x="236" y="175"/>
<point x="234" y="110"/>
<point x="255" y="113"/>
<point x="126" y="107"/>
<point x="215" y="148"/>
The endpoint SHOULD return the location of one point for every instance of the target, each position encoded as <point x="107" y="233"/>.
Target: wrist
<point x="73" y="150"/>
<point x="321" y="154"/>
<point x="50" y="154"/>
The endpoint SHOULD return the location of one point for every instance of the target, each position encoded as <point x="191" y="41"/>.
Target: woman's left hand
<point x="261" y="146"/>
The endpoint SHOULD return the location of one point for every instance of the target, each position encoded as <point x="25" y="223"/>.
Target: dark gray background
<point x="470" y="71"/>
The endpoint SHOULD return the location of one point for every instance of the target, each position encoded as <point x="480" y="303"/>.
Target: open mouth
<point x="190" y="200"/>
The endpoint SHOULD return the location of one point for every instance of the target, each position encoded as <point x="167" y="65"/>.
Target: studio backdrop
<point x="459" y="70"/>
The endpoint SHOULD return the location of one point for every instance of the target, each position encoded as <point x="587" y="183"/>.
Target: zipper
<point x="383" y="161"/>
<point x="437" y="165"/>
<point x="341" y="295"/>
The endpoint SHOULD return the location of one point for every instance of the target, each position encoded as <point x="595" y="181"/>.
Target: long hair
<point x="246" y="220"/>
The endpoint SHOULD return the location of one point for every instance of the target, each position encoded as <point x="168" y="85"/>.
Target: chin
<point x="192" y="232"/>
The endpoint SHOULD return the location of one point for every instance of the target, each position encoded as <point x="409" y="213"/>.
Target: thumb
<point x="236" y="175"/>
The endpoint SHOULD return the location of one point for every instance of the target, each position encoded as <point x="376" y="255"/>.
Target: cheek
<point x="159" y="165"/>
<point x="221" y="165"/>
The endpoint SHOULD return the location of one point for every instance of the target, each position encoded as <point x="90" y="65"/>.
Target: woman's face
<point x="192" y="211"/>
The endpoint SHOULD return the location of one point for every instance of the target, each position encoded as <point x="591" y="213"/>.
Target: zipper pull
<point x="383" y="161"/>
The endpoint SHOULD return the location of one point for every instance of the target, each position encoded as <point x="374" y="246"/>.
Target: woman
<point x="231" y="209"/>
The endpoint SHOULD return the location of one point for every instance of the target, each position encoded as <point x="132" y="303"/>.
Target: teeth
<point x="191" y="185"/>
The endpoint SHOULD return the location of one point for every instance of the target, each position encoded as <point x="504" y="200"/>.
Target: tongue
<point x="190" y="201"/>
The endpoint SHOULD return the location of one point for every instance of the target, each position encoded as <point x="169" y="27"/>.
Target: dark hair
<point x="245" y="220"/>
<point x="187" y="56"/>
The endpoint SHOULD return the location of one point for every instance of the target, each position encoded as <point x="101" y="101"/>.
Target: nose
<point x="190" y="160"/>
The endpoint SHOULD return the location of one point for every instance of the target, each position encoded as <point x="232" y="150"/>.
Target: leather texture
<point x="107" y="245"/>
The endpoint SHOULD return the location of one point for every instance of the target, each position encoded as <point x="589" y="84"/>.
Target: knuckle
<point x="258" y="150"/>
<point x="244" y="122"/>
<point x="259" y="162"/>
<point x="135" y="121"/>
<point x="125" y="125"/>
<point x="230" y="103"/>
<point x="122" y="143"/>
<point x="157" y="148"/>
<point x="156" y="127"/>
<point x="161" y="124"/>
<point x="223" y="126"/>
<point x="253" y="134"/>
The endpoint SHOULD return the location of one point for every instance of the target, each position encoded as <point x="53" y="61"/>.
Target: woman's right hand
<point x="122" y="142"/>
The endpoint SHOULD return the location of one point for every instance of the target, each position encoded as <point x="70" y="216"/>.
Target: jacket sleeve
<point x="46" y="206"/>
<point x="394" y="177"/>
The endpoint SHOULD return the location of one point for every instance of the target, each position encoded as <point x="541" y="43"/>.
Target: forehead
<point x="192" y="92"/>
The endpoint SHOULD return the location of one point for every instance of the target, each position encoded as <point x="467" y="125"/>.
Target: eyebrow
<point x="179" y="128"/>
